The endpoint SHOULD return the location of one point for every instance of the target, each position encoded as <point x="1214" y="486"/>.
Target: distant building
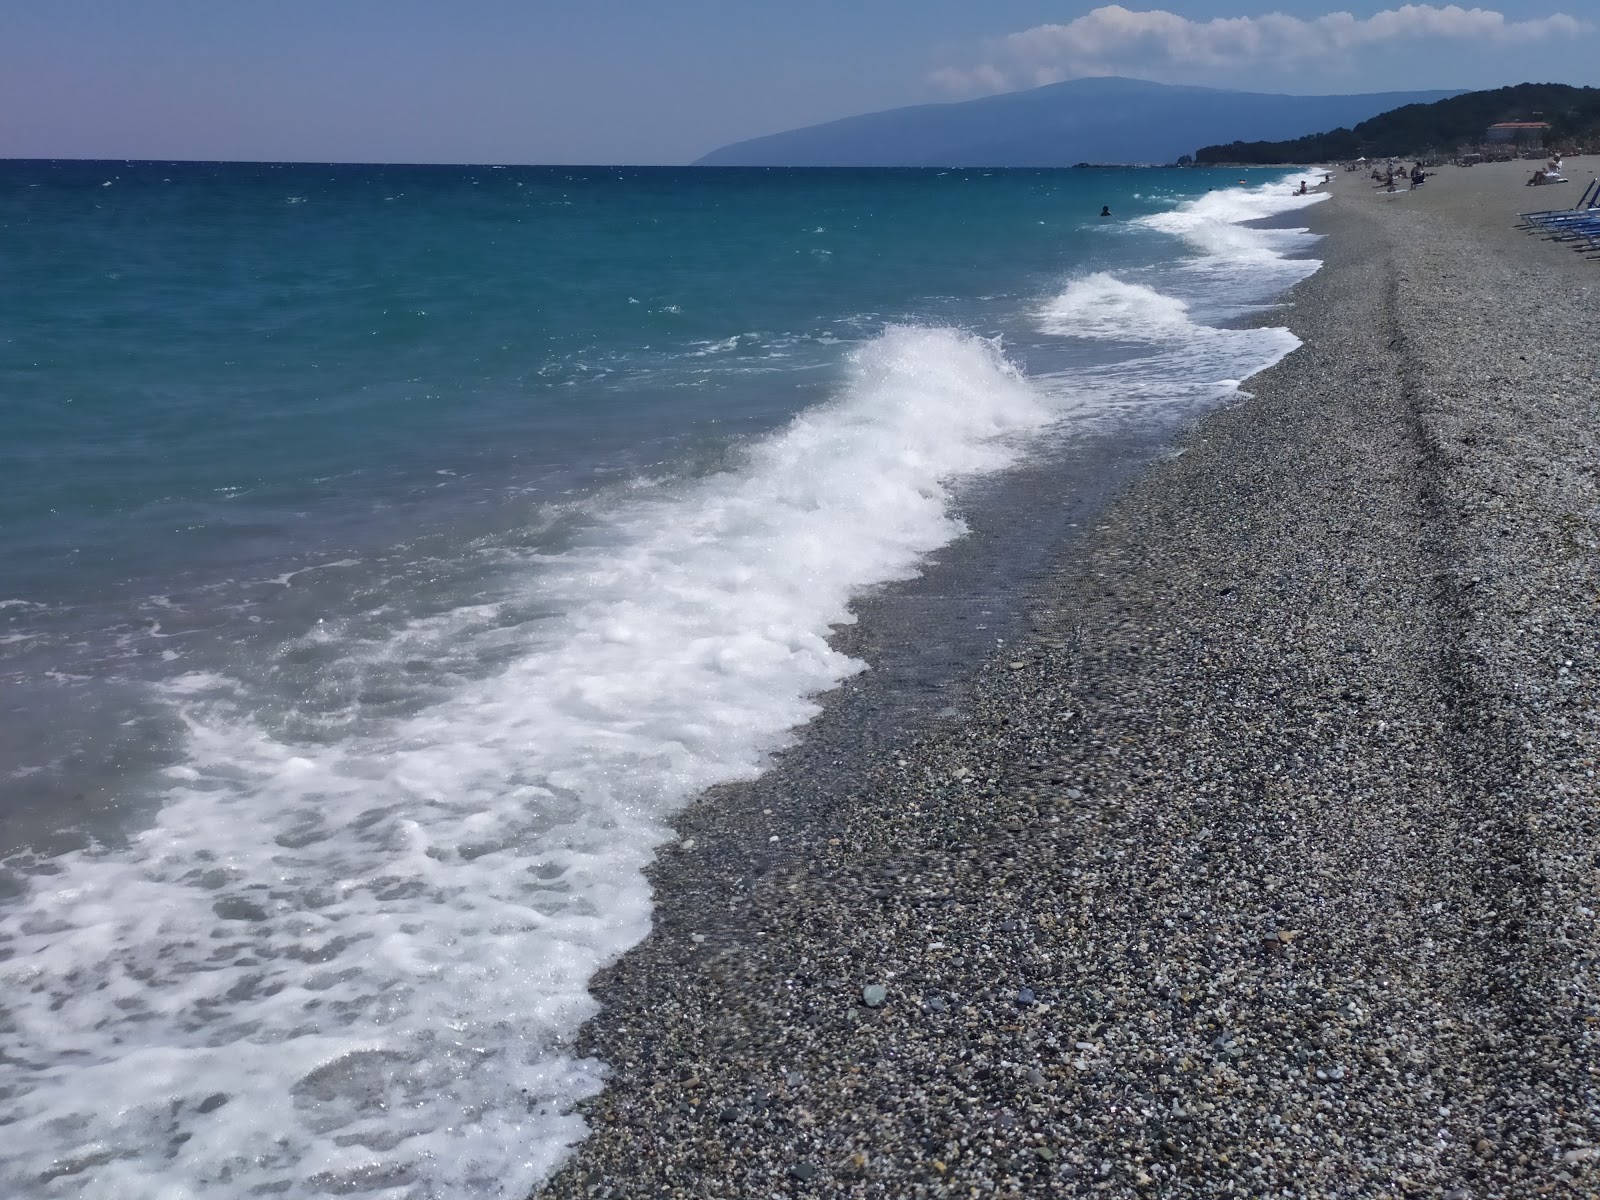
<point x="1528" y="133"/>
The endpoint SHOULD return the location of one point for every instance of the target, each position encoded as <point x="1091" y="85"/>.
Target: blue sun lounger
<point x="1588" y="204"/>
<point x="1565" y="227"/>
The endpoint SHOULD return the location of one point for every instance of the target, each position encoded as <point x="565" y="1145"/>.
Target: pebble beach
<point x="1264" y="864"/>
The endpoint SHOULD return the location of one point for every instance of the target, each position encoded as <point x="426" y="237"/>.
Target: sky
<point x="664" y="81"/>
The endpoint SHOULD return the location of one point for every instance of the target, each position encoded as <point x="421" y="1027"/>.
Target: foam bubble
<point x="352" y="961"/>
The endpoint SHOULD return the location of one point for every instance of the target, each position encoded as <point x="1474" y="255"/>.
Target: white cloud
<point x="1114" y="40"/>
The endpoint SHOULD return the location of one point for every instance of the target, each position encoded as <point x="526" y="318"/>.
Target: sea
<point x="388" y="552"/>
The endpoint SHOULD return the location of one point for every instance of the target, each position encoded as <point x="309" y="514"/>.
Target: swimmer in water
<point x="1105" y="210"/>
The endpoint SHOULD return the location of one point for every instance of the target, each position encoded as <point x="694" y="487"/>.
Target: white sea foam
<point x="351" y="963"/>
<point x="1184" y="360"/>
<point x="1243" y="261"/>
<point x="1235" y="269"/>
<point x="288" y="577"/>
<point x="1103" y="307"/>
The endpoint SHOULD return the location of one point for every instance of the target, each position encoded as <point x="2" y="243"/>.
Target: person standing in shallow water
<point x="1105" y="210"/>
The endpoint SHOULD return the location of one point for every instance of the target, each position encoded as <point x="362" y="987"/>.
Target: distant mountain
<point x="1102" y="120"/>
<point x="1443" y="126"/>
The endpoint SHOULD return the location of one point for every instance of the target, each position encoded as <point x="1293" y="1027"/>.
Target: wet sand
<point x="1264" y="863"/>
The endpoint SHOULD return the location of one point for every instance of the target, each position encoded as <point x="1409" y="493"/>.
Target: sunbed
<point x="1587" y="204"/>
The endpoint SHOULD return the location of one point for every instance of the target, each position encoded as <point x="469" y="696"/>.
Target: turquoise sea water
<point x="387" y="552"/>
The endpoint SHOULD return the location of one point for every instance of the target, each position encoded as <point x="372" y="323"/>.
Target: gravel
<point x="1265" y="866"/>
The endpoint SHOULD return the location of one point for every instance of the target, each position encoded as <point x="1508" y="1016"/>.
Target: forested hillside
<point x="1439" y="127"/>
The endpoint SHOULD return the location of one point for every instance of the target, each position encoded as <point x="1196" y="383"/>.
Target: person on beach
<point x="1302" y="190"/>
<point x="1105" y="210"/>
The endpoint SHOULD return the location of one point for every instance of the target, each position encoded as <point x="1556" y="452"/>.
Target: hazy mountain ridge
<point x="1105" y="119"/>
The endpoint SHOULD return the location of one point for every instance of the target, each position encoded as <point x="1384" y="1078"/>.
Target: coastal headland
<point x="1266" y="864"/>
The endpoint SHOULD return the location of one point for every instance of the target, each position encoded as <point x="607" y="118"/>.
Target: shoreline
<point x="1242" y="872"/>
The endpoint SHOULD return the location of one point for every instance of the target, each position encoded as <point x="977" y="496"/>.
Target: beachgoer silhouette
<point x="1105" y="210"/>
